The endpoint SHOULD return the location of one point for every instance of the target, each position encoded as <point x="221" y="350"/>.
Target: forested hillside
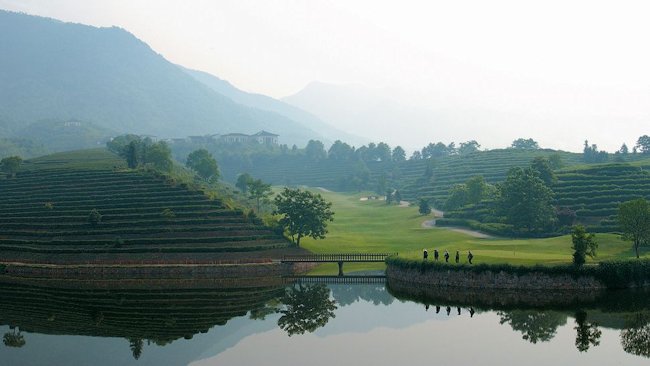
<point x="51" y="70"/>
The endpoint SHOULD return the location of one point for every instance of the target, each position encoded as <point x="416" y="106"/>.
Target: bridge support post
<point x="340" y="268"/>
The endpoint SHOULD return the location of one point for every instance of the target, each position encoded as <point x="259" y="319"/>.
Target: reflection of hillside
<point x="157" y="313"/>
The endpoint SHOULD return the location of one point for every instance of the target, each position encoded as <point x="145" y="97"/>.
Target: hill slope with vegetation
<point x="86" y="206"/>
<point x="55" y="70"/>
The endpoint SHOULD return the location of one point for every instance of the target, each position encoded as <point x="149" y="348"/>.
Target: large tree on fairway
<point x="204" y="164"/>
<point x="525" y="201"/>
<point x="584" y="244"/>
<point x="304" y="214"/>
<point x="11" y="164"/>
<point x="634" y="218"/>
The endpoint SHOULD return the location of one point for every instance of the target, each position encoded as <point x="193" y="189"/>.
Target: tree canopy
<point x="634" y="218"/>
<point x="306" y="308"/>
<point x="204" y="164"/>
<point x="525" y="201"/>
<point x="11" y="164"/>
<point x="643" y="144"/>
<point x="524" y="144"/>
<point x="304" y="214"/>
<point x="259" y="191"/>
<point x="583" y="244"/>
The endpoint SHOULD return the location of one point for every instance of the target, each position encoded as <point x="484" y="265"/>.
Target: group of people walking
<point x="436" y="255"/>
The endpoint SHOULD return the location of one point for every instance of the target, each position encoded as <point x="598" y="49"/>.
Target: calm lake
<point x="315" y="324"/>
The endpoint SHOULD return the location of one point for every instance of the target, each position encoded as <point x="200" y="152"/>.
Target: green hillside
<point x="45" y="209"/>
<point x="595" y="192"/>
<point x="55" y="70"/>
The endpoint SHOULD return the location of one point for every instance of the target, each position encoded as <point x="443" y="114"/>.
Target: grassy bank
<point x="372" y="226"/>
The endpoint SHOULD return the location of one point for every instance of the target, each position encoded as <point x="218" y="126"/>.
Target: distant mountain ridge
<point x="267" y="103"/>
<point x="55" y="70"/>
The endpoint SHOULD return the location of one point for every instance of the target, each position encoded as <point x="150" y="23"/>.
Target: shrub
<point x="49" y="205"/>
<point x="94" y="218"/>
<point x="168" y="213"/>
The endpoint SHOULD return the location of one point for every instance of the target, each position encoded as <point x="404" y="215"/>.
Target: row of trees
<point x="142" y="152"/>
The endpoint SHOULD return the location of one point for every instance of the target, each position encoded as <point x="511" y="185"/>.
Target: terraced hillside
<point x="595" y="192"/>
<point x="44" y="216"/>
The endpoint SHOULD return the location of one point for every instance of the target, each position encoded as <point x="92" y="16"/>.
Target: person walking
<point x="425" y="254"/>
<point x="457" y="257"/>
<point x="470" y="256"/>
<point x="446" y="256"/>
<point x="435" y="254"/>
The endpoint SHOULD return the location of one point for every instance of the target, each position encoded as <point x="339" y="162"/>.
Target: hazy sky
<point x="585" y="63"/>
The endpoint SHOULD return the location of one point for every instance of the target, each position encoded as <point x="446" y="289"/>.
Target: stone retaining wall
<point x="493" y="280"/>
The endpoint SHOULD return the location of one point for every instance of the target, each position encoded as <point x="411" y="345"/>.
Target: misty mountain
<point x="362" y="111"/>
<point x="51" y="70"/>
<point x="267" y="103"/>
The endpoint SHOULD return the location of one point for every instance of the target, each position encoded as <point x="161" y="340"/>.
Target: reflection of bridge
<point x="337" y="258"/>
<point x="348" y="280"/>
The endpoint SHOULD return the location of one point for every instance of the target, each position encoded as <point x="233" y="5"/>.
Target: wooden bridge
<point x="337" y="258"/>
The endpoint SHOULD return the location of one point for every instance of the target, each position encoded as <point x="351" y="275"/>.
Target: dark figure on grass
<point x="446" y="256"/>
<point x="457" y="257"/>
<point x="436" y="254"/>
<point x="470" y="256"/>
<point x="425" y="254"/>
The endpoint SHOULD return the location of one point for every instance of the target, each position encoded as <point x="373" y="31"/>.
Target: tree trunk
<point x="298" y="241"/>
<point x="636" y="248"/>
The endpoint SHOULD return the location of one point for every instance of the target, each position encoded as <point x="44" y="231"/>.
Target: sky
<point x="546" y="64"/>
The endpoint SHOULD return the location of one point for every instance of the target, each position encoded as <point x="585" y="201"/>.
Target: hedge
<point x="613" y="274"/>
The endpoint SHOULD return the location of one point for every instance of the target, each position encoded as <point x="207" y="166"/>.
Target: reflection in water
<point x="13" y="338"/>
<point x="536" y="326"/>
<point x="172" y="314"/>
<point x="636" y="337"/>
<point x="307" y="308"/>
<point x="587" y="334"/>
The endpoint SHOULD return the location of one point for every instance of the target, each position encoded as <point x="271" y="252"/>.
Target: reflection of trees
<point x="587" y="334"/>
<point x="535" y="326"/>
<point x="636" y="338"/>
<point x="307" y="308"/>
<point x="349" y="294"/>
<point x="271" y="307"/>
<point x="13" y="339"/>
<point x="136" y="345"/>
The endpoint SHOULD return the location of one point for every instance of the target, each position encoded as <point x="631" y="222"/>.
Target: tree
<point x="243" y="180"/>
<point x="13" y="339"/>
<point x="468" y="147"/>
<point x="259" y="191"/>
<point x="416" y="155"/>
<point x="643" y="144"/>
<point x="11" y="164"/>
<point x="476" y="189"/>
<point x="634" y="218"/>
<point x="524" y="144"/>
<point x="624" y="150"/>
<point x="587" y="334"/>
<point x="340" y="151"/>
<point x="136" y="345"/>
<point x="525" y="201"/>
<point x="555" y="160"/>
<point x="424" y="207"/>
<point x="307" y="308"/>
<point x="543" y="166"/>
<point x="590" y="154"/>
<point x="635" y="338"/>
<point x="131" y="155"/>
<point x="389" y="196"/>
<point x="383" y="152"/>
<point x="304" y="214"/>
<point x="315" y="150"/>
<point x="584" y="244"/>
<point x="160" y="156"/>
<point x="204" y="164"/>
<point x="458" y="197"/>
<point x="536" y="326"/>
<point x="94" y="217"/>
<point x="399" y="154"/>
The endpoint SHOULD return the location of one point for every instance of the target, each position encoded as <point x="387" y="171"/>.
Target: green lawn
<point x="372" y="226"/>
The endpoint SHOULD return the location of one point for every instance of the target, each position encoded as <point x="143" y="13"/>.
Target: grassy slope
<point x="372" y="226"/>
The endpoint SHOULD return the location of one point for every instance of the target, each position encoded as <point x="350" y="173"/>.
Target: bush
<point x="168" y="213"/>
<point x="94" y="218"/>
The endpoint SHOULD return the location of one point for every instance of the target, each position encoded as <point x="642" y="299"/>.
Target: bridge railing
<point x="338" y="257"/>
